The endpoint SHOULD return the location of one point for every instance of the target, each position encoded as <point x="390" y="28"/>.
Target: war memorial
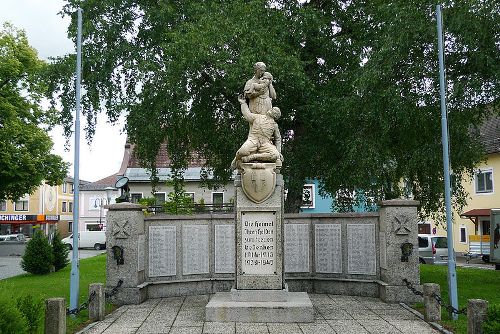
<point x="259" y="264"/>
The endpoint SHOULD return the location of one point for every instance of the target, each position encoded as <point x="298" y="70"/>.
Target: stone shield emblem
<point x="258" y="181"/>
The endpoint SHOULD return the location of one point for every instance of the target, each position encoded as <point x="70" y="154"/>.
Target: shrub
<point x="11" y="320"/>
<point x="37" y="258"/>
<point x="492" y="325"/>
<point x="32" y="310"/>
<point x="60" y="252"/>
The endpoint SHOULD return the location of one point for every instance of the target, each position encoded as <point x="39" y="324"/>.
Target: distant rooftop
<point x="489" y="134"/>
<point x="101" y="184"/>
<point x="162" y="159"/>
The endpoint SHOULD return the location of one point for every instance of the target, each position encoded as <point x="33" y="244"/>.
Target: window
<point x="22" y="204"/>
<point x="70" y="206"/>
<point x="135" y="197"/>
<point x="64" y="208"/>
<point x="463" y="234"/>
<point x="3" y="206"/>
<point x="423" y="242"/>
<point x="440" y="242"/>
<point x="485" y="227"/>
<point x="93" y="227"/>
<point x="72" y="188"/>
<point x="484" y="181"/>
<point x="190" y="195"/>
<point x="424" y="228"/>
<point x="70" y="227"/>
<point x="308" y="196"/>
<point x="160" y="198"/>
<point x="65" y="187"/>
<point x="217" y="200"/>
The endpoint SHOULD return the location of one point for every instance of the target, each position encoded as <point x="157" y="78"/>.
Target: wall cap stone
<point x="125" y="207"/>
<point x="399" y="202"/>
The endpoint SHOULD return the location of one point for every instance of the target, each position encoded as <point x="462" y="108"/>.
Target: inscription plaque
<point x="258" y="234"/>
<point x="224" y="249"/>
<point x="328" y="248"/>
<point x="195" y="250"/>
<point x="361" y="251"/>
<point x="140" y="252"/>
<point x="162" y="251"/>
<point x="296" y="248"/>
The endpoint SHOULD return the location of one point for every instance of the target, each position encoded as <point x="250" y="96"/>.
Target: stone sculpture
<point x="264" y="140"/>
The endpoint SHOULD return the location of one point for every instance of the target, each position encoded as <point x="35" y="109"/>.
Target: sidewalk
<point x="334" y="314"/>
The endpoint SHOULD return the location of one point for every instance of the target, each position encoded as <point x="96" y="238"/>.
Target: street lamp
<point x="102" y="202"/>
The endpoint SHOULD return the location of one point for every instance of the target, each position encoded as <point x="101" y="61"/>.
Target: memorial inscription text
<point x="258" y="233"/>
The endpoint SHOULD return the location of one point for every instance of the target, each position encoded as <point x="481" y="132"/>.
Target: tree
<point x="25" y="158"/>
<point x="357" y="83"/>
<point x="60" y="252"/>
<point x="38" y="257"/>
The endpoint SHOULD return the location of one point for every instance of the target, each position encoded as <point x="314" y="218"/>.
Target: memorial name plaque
<point x="258" y="234"/>
<point x="296" y="248"/>
<point x="361" y="251"/>
<point x="195" y="249"/>
<point x="162" y="251"/>
<point x="140" y="252"/>
<point x="328" y="248"/>
<point x="224" y="249"/>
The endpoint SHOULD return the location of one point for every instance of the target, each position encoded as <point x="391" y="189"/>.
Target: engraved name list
<point x="258" y="232"/>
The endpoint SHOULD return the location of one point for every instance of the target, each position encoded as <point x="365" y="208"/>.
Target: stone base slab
<point x="399" y="294"/>
<point x="297" y="308"/>
<point x="260" y="295"/>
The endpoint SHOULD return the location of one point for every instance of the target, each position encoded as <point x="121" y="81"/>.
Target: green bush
<point x="492" y="325"/>
<point x="60" y="252"/>
<point x="11" y="320"/>
<point x="32" y="310"/>
<point x="37" y="258"/>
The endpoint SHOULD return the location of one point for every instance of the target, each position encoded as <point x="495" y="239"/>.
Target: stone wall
<point x="354" y="253"/>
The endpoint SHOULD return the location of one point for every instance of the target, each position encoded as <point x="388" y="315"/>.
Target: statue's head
<point x="267" y="76"/>
<point x="274" y="112"/>
<point x="259" y="69"/>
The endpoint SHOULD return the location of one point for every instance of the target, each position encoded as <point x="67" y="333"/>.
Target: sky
<point x="47" y="33"/>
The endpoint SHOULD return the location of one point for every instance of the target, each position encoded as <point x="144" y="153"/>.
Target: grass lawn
<point x="473" y="283"/>
<point x="92" y="270"/>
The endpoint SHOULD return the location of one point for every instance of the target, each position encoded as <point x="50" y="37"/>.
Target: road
<point x="11" y="265"/>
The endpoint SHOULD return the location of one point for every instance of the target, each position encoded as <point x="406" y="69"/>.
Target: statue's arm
<point x="251" y="90"/>
<point x="245" y="110"/>
<point x="277" y="138"/>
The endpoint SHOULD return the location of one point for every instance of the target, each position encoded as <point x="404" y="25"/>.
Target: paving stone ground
<point x="333" y="314"/>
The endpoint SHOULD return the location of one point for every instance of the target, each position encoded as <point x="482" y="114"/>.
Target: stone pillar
<point x="98" y="302"/>
<point x="432" y="307"/>
<point x="259" y="228"/>
<point x="55" y="316"/>
<point x="477" y="312"/>
<point x="125" y="245"/>
<point x="398" y="233"/>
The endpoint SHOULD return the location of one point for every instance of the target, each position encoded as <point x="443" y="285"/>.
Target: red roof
<point x="163" y="160"/>
<point x="477" y="213"/>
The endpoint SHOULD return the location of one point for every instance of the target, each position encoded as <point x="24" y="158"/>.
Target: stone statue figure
<point x="259" y="90"/>
<point x="264" y="140"/>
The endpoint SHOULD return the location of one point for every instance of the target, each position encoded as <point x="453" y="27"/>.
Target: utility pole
<point x="452" y="274"/>
<point x="74" y="286"/>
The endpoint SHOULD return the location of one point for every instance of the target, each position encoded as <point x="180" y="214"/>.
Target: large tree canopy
<point x="357" y="83"/>
<point x="25" y="158"/>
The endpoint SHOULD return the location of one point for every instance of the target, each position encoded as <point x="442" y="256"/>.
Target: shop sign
<point x="17" y="217"/>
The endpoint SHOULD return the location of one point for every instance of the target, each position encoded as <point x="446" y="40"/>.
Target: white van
<point x="432" y="249"/>
<point x="88" y="239"/>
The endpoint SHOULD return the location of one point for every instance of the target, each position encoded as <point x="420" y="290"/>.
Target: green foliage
<point x="148" y="201"/>
<point x="25" y="158"/>
<point x="178" y="202"/>
<point x="38" y="257"/>
<point x="32" y="310"/>
<point x="357" y="83"/>
<point x="60" y="252"/>
<point x="492" y="325"/>
<point x="11" y="319"/>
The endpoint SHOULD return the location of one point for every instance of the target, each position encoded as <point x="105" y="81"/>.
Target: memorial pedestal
<point x="260" y="294"/>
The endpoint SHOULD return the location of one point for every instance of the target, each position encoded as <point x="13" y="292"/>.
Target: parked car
<point x="88" y="239"/>
<point x="432" y="249"/>
<point x="13" y="238"/>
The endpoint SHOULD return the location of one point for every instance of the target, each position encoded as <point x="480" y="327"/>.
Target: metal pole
<point x="452" y="274"/>
<point x="100" y="210"/>
<point x="75" y="271"/>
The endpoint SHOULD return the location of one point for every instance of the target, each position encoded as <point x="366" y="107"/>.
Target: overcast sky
<point x="46" y="31"/>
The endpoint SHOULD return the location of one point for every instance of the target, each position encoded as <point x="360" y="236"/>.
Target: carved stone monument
<point x="260" y="293"/>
